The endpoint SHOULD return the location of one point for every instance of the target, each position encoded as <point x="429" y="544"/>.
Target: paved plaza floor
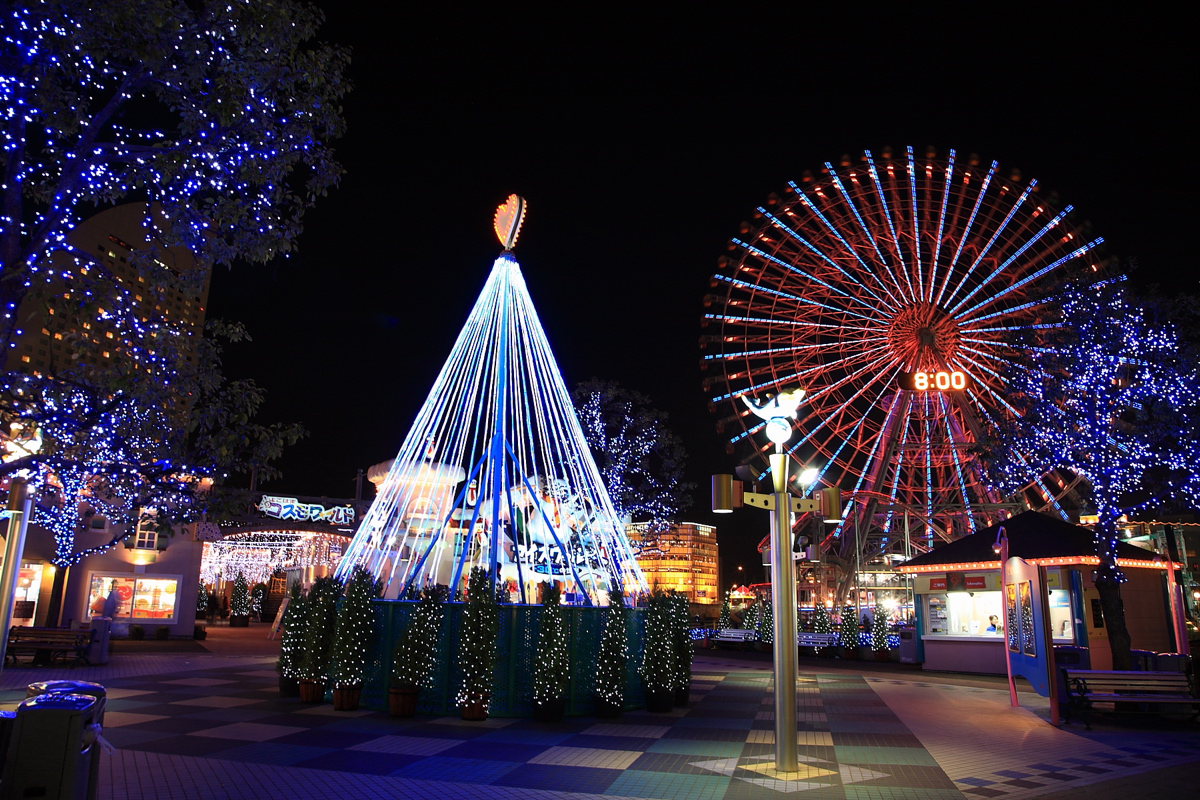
<point x="208" y="723"/>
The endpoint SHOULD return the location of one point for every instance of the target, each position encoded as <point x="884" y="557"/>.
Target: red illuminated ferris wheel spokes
<point x="866" y="284"/>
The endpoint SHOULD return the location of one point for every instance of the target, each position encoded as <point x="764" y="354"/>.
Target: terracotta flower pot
<point x="659" y="701"/>
<point x="288" y="687"/>
<point x="402" y="702"/>
<point x="606" y="709"/>
<point x="476" y="712"/>
<point x="346" y="698"/>
<point x="239" y="622"/>
<point x="550" y="711"/>
<point x="311" y="691"/>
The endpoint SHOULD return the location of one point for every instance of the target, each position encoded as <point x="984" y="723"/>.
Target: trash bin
<point x="1069" y="655"/>
<point x="1172" y="662"/>
<point x="72" y="687"/>
<point x="97" y="652"/>
<point x="85" y="688"/>
<point x="908" y="646"/>
<point x="8" y="720"/>
<point x="51" y="751"/>
<point x="1142" y="660"/>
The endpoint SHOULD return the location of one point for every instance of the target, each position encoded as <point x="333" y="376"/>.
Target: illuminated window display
<point x="965" y="614"/>
<point x="29" y="585"/>
<point x="139" y="598"/>
<point x="980" y="614"/>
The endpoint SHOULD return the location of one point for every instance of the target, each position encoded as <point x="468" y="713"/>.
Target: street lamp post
<point x="728" y="494"/>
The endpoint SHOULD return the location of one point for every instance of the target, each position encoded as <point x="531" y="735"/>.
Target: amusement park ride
<point x="495" y="471"/>
<point x="901" y="291"/>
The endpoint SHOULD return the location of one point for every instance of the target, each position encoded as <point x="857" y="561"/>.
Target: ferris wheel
<point x="900" y="291"/>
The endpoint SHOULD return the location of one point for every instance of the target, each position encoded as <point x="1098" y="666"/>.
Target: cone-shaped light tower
<point x="495" y="471"/>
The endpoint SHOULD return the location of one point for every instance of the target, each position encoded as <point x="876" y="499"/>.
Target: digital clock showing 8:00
<point x="940" y="381"/>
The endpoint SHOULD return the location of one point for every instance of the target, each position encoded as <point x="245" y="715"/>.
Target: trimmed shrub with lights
<point x="318" y="638"/>
<point x="681" y="642"/>
<point x="612" y="661"/>
<point x="352" y="639"/>
<point x="725" y="622"/>
<point x="477" y="646"/>
<point x="658" y="657"/>
<point x="415" y="657"/>
<point x="848" y="633"/>
<point x="821" y="622"/>
<point x="879" y="633"/>
<point x="202" y="601"/>
<point x="764" y="624"/>
<point x="551" y="661"/>
<point x="291" y="646"/>
<point x="239" y="603"/>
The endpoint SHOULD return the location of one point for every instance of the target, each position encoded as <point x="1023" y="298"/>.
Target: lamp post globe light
<point x="728" y="494"/>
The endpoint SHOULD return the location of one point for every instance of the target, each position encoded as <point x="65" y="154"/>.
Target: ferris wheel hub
<point x="923" y="336"/>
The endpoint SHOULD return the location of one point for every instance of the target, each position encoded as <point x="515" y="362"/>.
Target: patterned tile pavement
<point x="214" y="727"/>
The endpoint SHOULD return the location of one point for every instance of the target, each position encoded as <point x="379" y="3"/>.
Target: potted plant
<point x="764" y="626"/>
<point x="879" y="635"/>
<point x="415" y="656"/>
<point x="658" y="655"/>
<point x="352" y="638"/>
<point x="295" y="622"/>
<point x="822" y="624"/>
<point x="239" y="603"/>
<point x="551" y="661"/>
<point x="613" y="658"/>
<point x="318" y="638"/>
<point x="848" y="634"/>
<point x="681" y="641"/>
<point x="258" y="599"/>
<point x="477" y="646"/>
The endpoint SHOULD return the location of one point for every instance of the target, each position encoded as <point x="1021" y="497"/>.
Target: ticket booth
<point x="959" y="603"/>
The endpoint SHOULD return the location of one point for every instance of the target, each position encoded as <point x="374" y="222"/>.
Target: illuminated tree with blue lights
<point x="217" y="117"/>
<point x="1113" y="399"/>
<point x="640" y="459"/>
<point x="219" y="113"/>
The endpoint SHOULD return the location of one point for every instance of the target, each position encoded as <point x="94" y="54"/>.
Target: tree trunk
<point x="54" y="605"/>
<point x="1114" y="621"/>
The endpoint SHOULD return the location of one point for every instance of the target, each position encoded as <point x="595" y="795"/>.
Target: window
<point x="964" y="614"/>
<point x="145" y="536"/>
<point x="138" y="598"/>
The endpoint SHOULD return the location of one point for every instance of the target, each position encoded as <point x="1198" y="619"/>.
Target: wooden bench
<point x="817" y="640"/>
<point x="1088" y="686"/>
<point x="46" y="644"/>
<point x="742" y="636"/>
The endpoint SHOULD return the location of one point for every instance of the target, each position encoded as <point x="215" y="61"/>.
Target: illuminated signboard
<point x="290" y="508"/>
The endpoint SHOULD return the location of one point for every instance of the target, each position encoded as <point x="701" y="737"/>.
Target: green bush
<point x="477" y="640"/>
<point x="415" y="657"/>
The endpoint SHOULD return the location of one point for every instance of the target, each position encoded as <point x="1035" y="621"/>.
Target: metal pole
<point x="783" y="597"/>
<point x="14" y="547"/>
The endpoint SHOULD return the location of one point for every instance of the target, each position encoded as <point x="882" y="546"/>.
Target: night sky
<point x="641" y="142"/>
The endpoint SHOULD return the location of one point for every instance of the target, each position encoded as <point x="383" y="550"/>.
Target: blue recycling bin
<point x="1173" y="662"/>
<point x="1142" y="660"/>
<point x="52" y="746"/>
<point x="1073" y="656"/>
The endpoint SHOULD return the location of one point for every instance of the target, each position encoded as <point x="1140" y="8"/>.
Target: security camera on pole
<point x="728" y="494"/>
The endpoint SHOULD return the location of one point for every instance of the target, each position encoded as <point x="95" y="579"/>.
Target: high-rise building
<point x="683" y="557"/>
<point x="50" y="336"/>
